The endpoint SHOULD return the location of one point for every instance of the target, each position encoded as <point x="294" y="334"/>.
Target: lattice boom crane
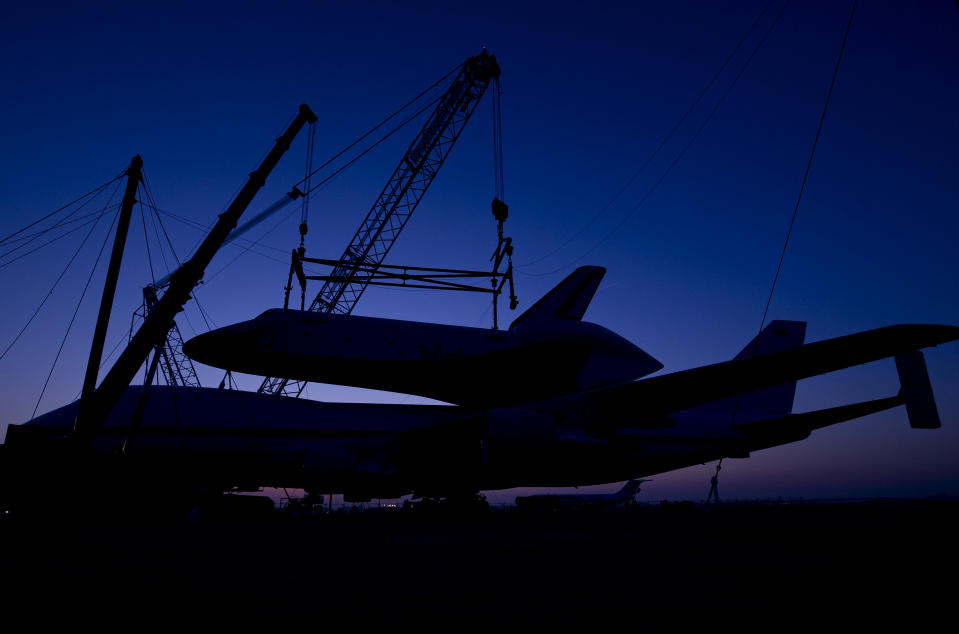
<point x="399" y="198"/>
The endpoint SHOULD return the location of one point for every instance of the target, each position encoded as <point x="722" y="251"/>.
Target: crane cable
<point x="383" y="122"/>
<point x="305" y="207"/>
<point x="287" y="199"/>
<point x="310" y="189"/>
<point x="370" y="148"/>
<point x="498" y="142"/>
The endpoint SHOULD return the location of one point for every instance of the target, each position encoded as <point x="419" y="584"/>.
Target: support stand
<point x="714" y="483"/>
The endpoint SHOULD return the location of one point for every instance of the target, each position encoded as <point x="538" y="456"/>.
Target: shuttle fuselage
<point x="465" y="366"/>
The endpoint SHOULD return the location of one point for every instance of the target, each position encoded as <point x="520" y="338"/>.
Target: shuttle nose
<point x="223" y="348"/>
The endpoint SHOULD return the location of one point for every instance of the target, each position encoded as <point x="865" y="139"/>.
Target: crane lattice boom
<point x="399" y="198"/>
<point x="177" y="368"/>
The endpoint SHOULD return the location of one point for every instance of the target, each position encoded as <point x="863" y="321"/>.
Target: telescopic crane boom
<point x="182" y="282"/>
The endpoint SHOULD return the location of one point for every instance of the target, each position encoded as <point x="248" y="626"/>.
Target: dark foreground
<point x="760" y="567"/>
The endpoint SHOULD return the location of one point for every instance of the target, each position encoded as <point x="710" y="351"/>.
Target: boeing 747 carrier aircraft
<point x="553" y="401"/>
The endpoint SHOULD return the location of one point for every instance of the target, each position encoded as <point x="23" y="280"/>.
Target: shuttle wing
<point x="689" y="388"/>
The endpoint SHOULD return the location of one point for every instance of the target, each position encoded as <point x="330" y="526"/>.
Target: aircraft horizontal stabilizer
<point x="690" y="388"/>
<point x="802" y="424"/>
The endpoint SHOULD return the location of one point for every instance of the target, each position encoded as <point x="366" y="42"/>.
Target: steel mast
<point x="134" y="175"/>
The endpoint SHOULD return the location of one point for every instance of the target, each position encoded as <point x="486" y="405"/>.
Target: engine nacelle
<point x="513" y="426"/>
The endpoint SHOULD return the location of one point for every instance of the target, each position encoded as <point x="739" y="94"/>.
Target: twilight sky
<point x="200" y="90"/>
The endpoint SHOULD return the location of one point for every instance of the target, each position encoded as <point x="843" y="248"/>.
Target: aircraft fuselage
<point x="227" y="438"/>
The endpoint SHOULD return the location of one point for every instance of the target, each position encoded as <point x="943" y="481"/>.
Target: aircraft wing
<point x="674" y="392"/>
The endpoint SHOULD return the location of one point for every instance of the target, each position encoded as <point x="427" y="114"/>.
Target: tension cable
<point x="63" y="272"/>
<point x="812" y="154"/>
<point x="662" y="143"/>
<point x="75" y="312"/>
<point x="27" y="238"/>
<point x="198" y="226"/>
<point x="159" y="221"/>
<point x="146" y="242"/>
<point x="792" y="222"/>
<point x="56" y="211"/>
<point x="95" y="218"/>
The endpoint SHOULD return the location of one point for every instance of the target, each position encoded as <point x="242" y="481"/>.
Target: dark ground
<point x="744" y="567"/>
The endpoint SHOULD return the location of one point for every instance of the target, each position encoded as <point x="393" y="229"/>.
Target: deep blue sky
<point x="201" y="89"/>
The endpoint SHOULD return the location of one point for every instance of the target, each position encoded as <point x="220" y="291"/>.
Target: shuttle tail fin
<point x="568" y="299"/>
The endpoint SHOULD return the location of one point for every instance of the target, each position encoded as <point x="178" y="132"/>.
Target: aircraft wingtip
<point x="917" y="336"/>
<point x="940" y="333"/>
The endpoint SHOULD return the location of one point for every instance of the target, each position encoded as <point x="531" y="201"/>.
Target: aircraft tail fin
<point x="568" y="299"/>
<point x="631" y="488"/>
<point x="766" y="403"/>
<point x="777" y="336"/>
